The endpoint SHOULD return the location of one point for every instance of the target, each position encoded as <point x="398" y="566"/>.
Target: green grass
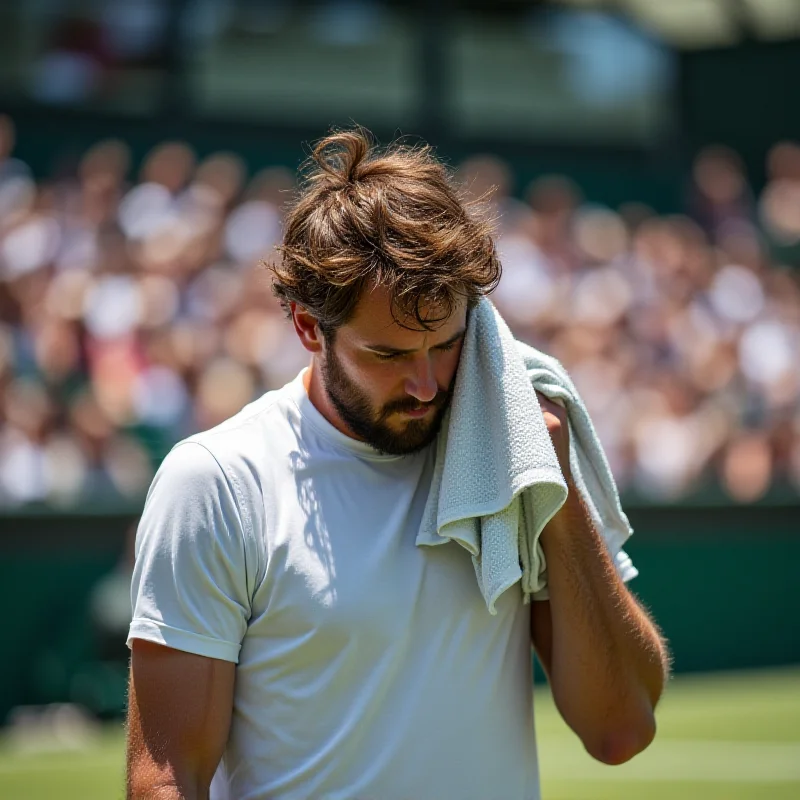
<point x="95" y="772"/>
<point x="721" y="737"/>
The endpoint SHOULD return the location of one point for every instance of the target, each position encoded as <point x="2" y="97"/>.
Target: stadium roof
<point x="705" y="23"/>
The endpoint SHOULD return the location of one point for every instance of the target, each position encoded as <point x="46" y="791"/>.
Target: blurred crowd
<point x="136" y="310"/>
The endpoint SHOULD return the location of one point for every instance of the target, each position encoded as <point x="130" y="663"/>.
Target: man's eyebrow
<point x="379" y="348"/>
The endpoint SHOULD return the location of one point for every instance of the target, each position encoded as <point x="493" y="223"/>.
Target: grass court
<point x="721" y="737"/>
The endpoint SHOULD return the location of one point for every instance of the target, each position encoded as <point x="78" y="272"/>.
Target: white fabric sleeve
<point x="625" y="567"/>
<point x="190" y="588"/>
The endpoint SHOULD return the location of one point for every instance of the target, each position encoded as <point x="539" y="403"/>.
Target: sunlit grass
<point x="721" y="737"/>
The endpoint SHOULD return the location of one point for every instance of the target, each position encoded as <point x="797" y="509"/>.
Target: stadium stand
<point x="135" y="309"/>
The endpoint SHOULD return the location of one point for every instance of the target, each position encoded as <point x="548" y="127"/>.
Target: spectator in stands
<point x="132" y="314"/>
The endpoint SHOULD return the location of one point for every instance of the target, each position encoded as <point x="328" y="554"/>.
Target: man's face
<point x="390" y="385"/>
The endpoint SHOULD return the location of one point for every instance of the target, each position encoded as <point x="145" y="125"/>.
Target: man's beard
<point x="355" y="409"/>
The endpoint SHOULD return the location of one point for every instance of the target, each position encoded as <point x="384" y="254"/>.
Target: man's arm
<point x="605" y="659"/>
<point x="179" y="713"/>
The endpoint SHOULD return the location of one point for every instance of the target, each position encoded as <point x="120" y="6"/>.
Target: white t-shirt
<point x="368" y="668"/>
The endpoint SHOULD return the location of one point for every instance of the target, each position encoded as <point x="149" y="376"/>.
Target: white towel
<point x="497" y="481"/>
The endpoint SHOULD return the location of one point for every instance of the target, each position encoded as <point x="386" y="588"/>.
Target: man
<point x="284" y="617"/>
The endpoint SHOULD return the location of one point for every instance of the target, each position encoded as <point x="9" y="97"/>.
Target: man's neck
<point x="312" y="380"/>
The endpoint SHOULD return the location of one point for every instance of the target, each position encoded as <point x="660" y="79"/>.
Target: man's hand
<point x="555" y="417"/>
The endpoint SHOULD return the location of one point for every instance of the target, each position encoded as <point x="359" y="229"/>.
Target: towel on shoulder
<point x="497" y="481"/>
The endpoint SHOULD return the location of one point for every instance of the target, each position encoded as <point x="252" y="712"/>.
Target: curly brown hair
<point x="389" y="216"/>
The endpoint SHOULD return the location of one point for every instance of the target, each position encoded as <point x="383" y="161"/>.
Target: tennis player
<point x="285" y="622"/>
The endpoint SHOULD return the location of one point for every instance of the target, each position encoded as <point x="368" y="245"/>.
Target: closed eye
<point x="396" y="356"/>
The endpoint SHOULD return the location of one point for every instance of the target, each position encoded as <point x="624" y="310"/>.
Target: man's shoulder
<point x="247" y="430"/>
<point x="242" y="448"/>
<point x="233" y="460"/>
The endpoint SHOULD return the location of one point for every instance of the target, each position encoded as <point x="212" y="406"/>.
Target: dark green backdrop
<point x="722" y="582"/>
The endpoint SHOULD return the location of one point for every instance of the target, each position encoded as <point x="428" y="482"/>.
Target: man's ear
<point x="307" y="327"/>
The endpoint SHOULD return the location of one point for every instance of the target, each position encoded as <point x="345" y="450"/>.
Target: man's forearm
<point x="161" y="793"/>
<point x="147" y="786"/>
<point x="608" y="661"/>
<point x="149" y="780"/>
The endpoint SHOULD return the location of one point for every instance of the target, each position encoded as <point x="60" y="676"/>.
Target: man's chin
<point x="403" y="425"/>
<point x="409" y="436"/>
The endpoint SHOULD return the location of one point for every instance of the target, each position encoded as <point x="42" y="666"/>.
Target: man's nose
<point x="421" y="384"/>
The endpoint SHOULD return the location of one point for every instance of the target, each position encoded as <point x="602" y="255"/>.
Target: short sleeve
<point x="625" y="567"/>
<point x="190" y="587"/>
